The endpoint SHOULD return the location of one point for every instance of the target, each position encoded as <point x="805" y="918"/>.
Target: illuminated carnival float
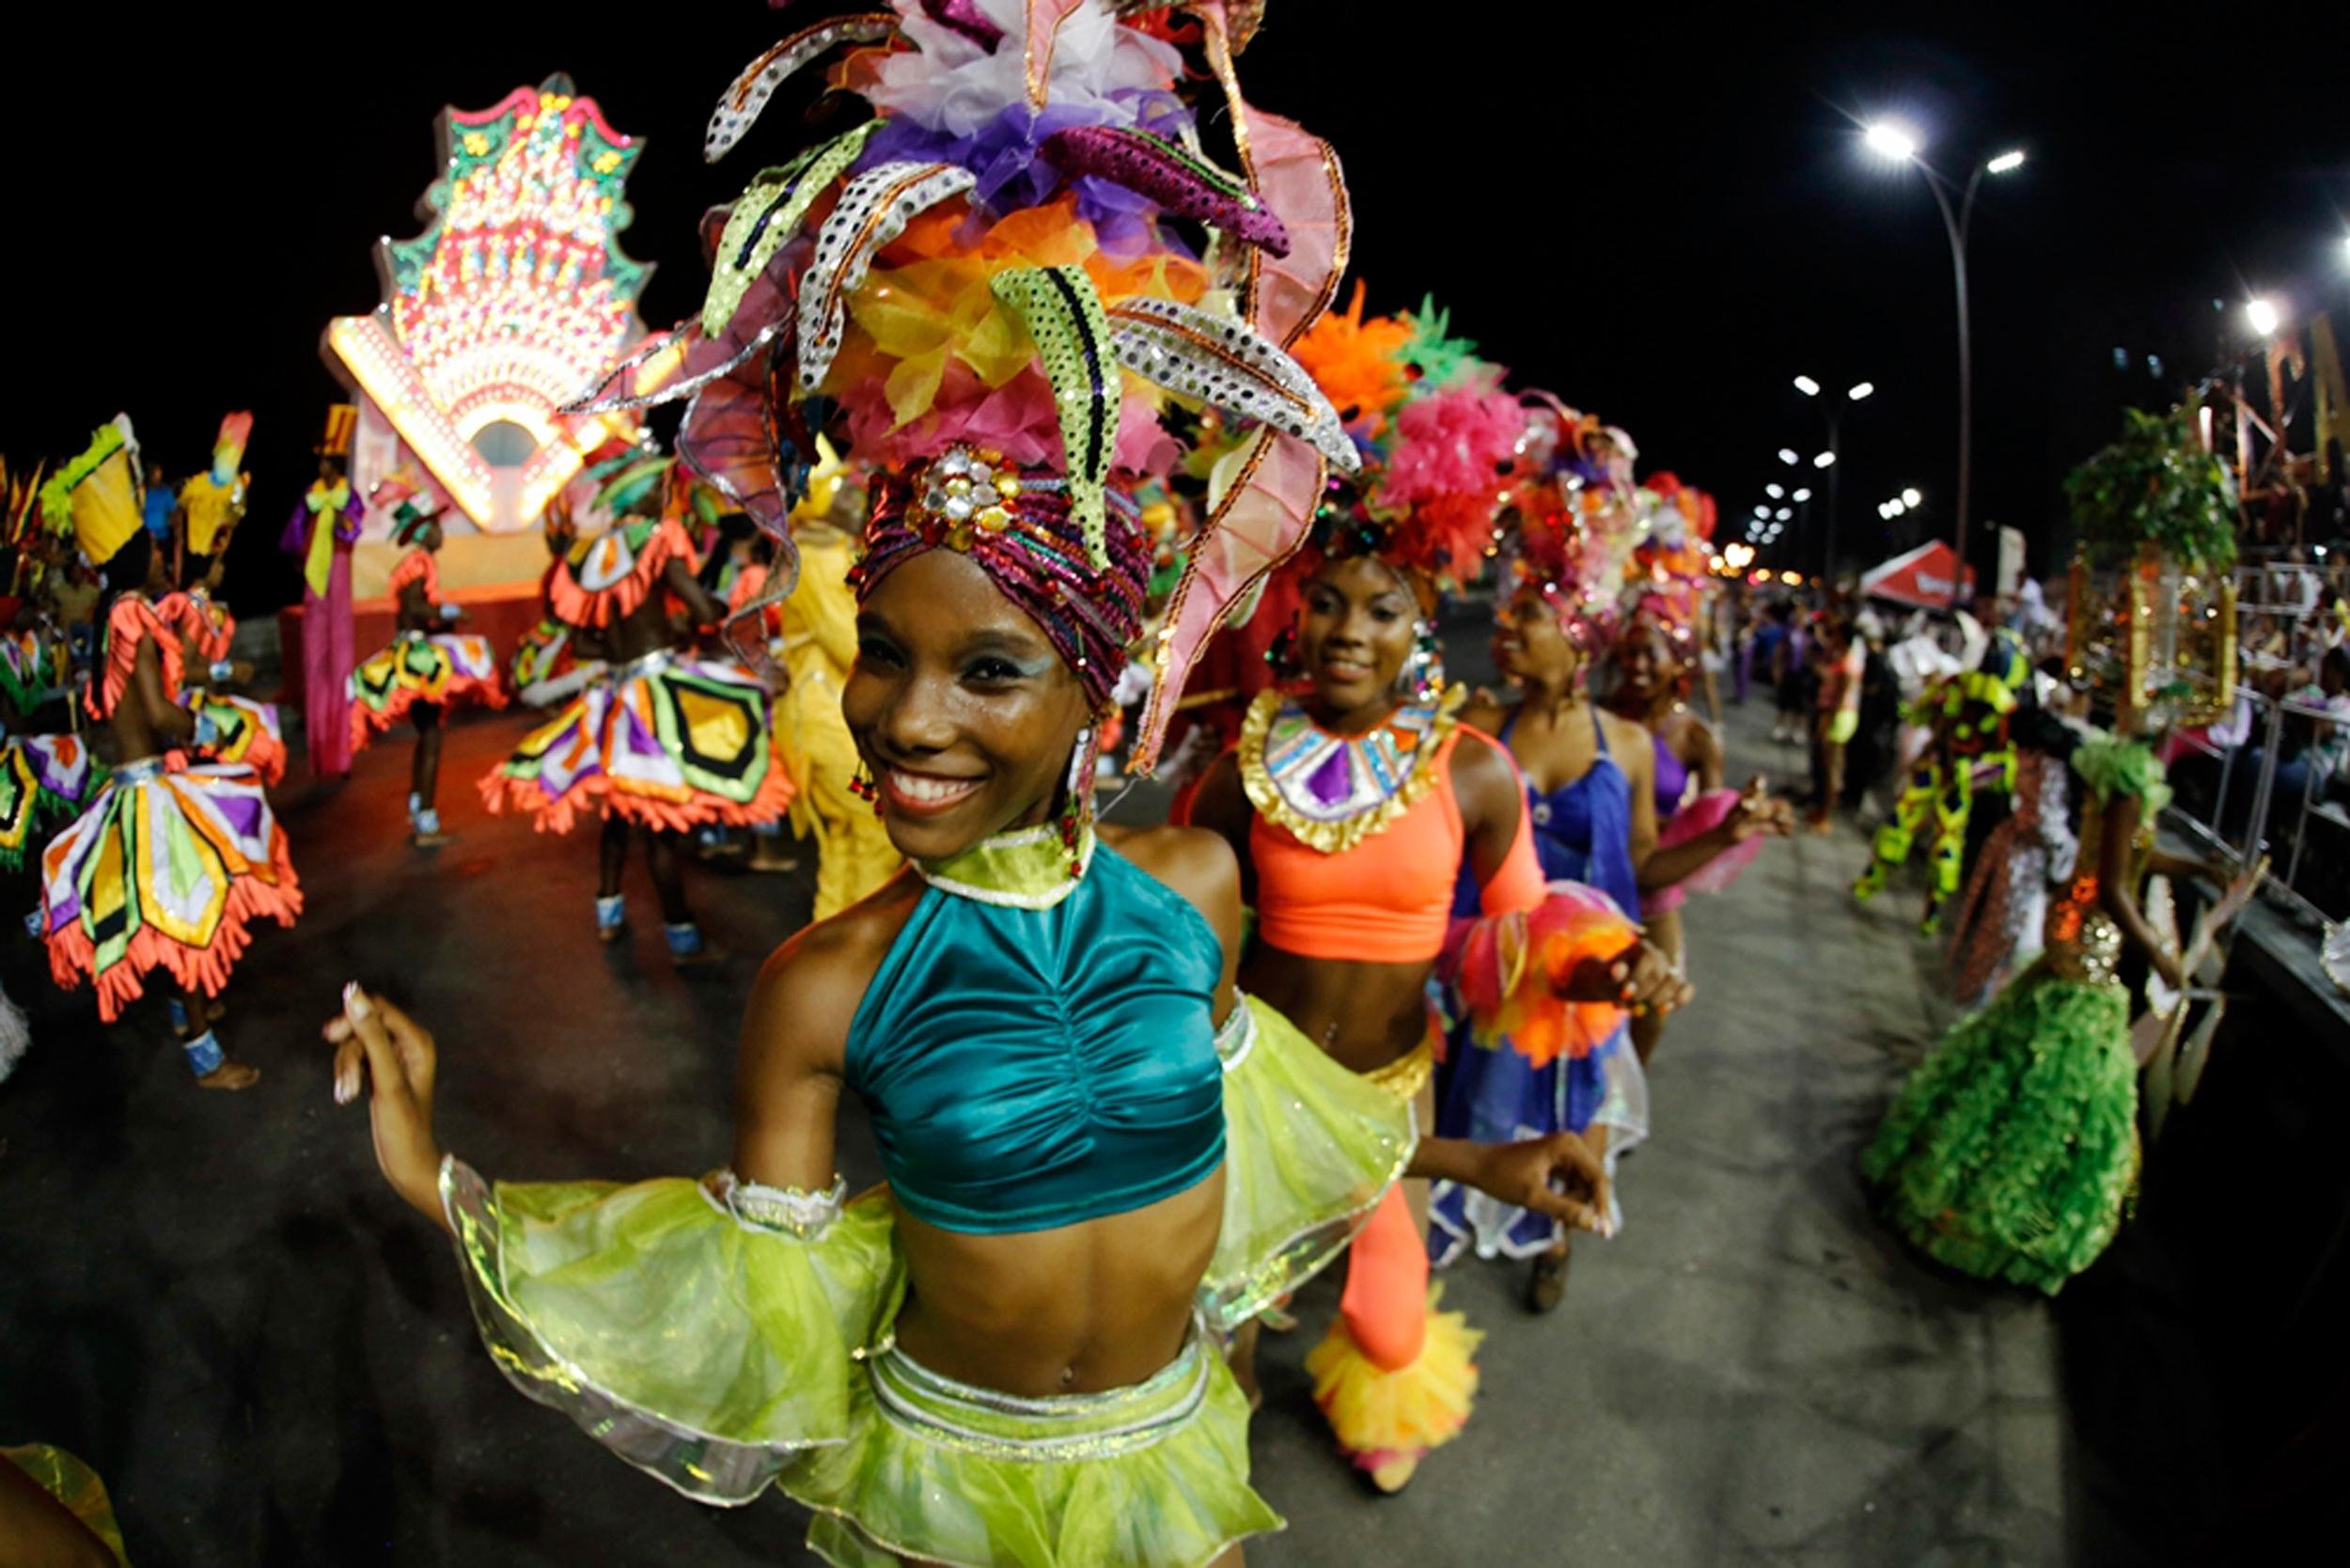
<point x="514" y="301"/>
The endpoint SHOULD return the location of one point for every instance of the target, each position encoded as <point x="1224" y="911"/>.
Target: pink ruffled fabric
<point x="1504" y="969"/>
<point x="1702" y="815"/>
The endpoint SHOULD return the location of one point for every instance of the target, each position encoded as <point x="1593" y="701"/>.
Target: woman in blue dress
<point x="1588" y="793"/>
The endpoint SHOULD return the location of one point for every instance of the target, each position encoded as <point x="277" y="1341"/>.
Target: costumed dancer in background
<point x="243" y="730"/>
<point x="659" y="741"/>
<point x="1706" y="832"/>
<point x="45" y="777"/>
<point x="322" y="531"/>
<point x="2013" y="1147"/>
<point x="1097" y="1154"/>
<point x="41" y="777"/>
<point x="543" y="654"/>
<point x="212" y="504"/>
<point x="427" y="670"/>
<point x="1837" y="659"/>
<point x="1964" y="718"/>
<point x="752" y="615"/>
<point x="1354" y="808"/>
<point x="1586" y="777"/>
<point x="819" y="639"/>
<point x="2009" y="1152"/>
<point x="2004" y="910"/>
<point x="172" y="862"/>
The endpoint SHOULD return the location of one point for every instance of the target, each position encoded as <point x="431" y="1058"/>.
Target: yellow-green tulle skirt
<point x="726" y="1338"/>
<point x="74" y="1484"/>
<point x="1310" y="1149"/>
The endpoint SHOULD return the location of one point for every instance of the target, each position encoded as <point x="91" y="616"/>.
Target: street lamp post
<point x="1831" y="411"/>
<point x="1892" y="141"/>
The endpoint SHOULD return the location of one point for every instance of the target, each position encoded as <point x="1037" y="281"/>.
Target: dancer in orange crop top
<point x="1353" y="812"/>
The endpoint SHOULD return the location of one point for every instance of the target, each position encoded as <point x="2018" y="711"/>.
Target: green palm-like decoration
<point x="2156" y="486"/>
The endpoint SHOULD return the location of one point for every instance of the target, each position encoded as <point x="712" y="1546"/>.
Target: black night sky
<point x="1660" y="216"/>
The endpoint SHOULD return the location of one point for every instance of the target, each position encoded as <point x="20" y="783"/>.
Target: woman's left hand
<point x="1558" y="1175"/>
<point x="1758" y="811"/>
<point x="382" y="1047"/>
<point x="1641" y="979"/>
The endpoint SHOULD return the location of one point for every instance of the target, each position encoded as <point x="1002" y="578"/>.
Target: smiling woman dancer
<point x="1097" y="1156"/>
<point x="1034" y="1019"/>
<point x="1355" y="807"/>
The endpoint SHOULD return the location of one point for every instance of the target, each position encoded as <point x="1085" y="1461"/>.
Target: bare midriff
<point x="1080" y="1309"/>
<point x="135" y="735"/>
<point x="644" y="630"/>
<point x="1366" y="1015"/>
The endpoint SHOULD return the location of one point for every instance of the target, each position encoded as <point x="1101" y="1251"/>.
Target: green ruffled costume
<point x="723" y="1339"/>
<point x="2011" y="1150"/>
<point x="76" y="1485"/>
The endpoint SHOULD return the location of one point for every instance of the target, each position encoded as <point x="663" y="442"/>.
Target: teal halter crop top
<point x="1036" y="1049"/>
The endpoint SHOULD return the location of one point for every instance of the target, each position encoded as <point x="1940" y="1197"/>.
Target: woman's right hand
<point x="376" y="1042"/>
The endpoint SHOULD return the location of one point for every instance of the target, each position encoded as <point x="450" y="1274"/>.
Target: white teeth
<point x="930" y="791"/>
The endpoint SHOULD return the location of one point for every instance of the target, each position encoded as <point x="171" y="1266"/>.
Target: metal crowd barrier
<point x="2236" y="803"/>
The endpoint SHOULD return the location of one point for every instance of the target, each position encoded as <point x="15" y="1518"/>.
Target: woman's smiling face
<point x="1355" y="628"/>
<point x="1529" y="642"/>
<point x="961" y="708"/>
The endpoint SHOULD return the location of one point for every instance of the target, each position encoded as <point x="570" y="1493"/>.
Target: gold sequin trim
<point x="1337" y="837"/>
<point x="1405" y="1076"/>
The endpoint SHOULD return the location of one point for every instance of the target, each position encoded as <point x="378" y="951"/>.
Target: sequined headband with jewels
<point x="1023" y="528"/>
<point x="967" y="491"/>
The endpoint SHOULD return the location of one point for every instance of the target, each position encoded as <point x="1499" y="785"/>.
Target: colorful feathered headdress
<point x="1001" y="262"/>
<point x="1670" y="561"/>
<point x="1441" y="441"/>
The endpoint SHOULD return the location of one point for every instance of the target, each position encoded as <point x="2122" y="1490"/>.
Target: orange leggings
<point x="1386" y="1302"/>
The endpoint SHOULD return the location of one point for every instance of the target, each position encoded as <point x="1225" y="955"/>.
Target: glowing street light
<point x="2261" y="314"/>
<point x="1895" y="141"/>
<point x="1890" y="139"/>
<point x="1761" y="512"/>
<point x="1783" y="513"/>
<point x="1864" y="389"/>
<point x="1806" y="385"/>
<point x="1826" y="459"/>
<point x="1787" y="456"/>
<point x="1801" y="495"/>
<point x="1774" y="492"/>
<point x="1910" y="497"/>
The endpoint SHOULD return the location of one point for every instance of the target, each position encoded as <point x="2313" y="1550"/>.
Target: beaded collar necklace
<point x="1332" y="792"/>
